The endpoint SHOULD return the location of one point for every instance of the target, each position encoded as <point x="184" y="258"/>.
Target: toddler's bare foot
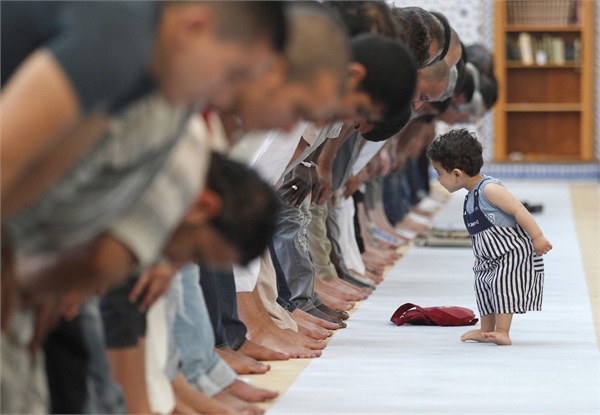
<point x="501" y="339"/>
<point x="475" y="335"/>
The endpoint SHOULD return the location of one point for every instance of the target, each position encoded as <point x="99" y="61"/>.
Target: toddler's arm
<point x="508" y="203"/>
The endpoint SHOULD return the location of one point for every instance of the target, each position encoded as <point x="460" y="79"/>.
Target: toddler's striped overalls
<point x="509" y="276"/>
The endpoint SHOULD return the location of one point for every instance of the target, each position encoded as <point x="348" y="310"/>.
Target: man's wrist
<point x="309" y="164"/>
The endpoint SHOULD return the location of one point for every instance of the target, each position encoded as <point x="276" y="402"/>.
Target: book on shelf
<point x="542" y="49"/>
<point x="526" y="48"/>
<point x="543" y="12"/>
<point x="558" y="51"/>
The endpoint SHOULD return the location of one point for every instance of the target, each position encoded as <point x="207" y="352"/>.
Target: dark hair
<point x="414" y="29"/>
<point x="488" y="87"/>
<point x="479" y="56"/>
<point x="247" y="219"/>
<point x="391" y="72"/>
<point x="249" y="20"/>
<point x="365" y="17"/>
<point x="468" y="87"/>
<point x="461" y="71"/>
<point x="440" y="31"/>
<point x="383" y="130"/>
<point x="315" y="32"/>
<point x="457" y="149"/>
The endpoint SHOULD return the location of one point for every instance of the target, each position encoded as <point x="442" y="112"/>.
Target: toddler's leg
<point x="488" y="323"/>
<point x="500" y="335"/>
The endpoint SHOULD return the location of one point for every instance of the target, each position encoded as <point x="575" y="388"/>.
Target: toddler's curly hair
<point x="457" y="149"/>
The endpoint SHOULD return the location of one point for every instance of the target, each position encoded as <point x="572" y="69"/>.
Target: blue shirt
<point x="492" y="212"/>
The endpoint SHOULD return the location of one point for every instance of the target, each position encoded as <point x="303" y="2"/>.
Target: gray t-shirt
<point x="105" y="183"/>
<point x="104" y="47"/>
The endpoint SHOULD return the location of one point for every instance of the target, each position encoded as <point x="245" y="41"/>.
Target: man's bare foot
<point x="374" y="264"/>
<point x="318" y="313"/>
<point x="328" y="325"/>
<point x="192" y="401"/>
<point x="301" y="339"/>
<point x="501" y="339"/>
<point x="239" y="405"/>
<point x="475" y="335"/>
<point x="413" y="226"/>
<point x="335" y="303"/>
<point x="282" y="340"/>
<point x="384" y="257"/>
<point x="182" y="408"/>
<point x="311" y="330"/>
<point x="240" y="363"/>
<point x="345" y="286"/>
<point x="335" y="314"/>
<point x="339" y="291"/>
<point x="375" y="277"/>
<point x="262" y="353"/>
<point x="250" y="393"/>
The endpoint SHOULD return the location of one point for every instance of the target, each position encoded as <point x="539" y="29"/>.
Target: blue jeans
<point x="194" y="338"/>
<point x="291" y="248"/>
<point x="218" y="287"/>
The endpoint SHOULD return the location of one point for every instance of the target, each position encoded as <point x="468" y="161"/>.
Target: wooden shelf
<point x="545" y="107"/>
<point x="537" y="158"/>
<point x="539" y="28"/>
<point x="544" y="113"/>
<point x="519" y="65"/>
<point x="527" y="158"/>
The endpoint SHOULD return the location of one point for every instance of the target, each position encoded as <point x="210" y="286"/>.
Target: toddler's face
<point x="447" y="179"/>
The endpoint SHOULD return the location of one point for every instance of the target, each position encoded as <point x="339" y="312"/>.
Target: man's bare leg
<point x="384" y="224"/>
<point x="283" y="331"/>
<point x="128" y="368"/>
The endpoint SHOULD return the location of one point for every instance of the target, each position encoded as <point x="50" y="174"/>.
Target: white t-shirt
<point x="366" y="154"/>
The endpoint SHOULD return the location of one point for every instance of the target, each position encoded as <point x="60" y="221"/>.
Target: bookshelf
<point x="544" y="63"/>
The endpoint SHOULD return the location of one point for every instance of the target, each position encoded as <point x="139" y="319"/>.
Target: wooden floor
<point x="585" y="202"/>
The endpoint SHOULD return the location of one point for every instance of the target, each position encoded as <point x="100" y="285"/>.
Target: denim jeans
<point x="291" y="249"/>
<point x="284" y="293"/>
<point x="194" y="338"/>
<point x="218" y="287"/>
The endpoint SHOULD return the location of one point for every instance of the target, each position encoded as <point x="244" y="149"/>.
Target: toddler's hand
<point x="541" y="245"/>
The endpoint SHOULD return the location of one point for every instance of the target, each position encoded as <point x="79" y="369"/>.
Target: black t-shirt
<point x="103" y="46"/>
